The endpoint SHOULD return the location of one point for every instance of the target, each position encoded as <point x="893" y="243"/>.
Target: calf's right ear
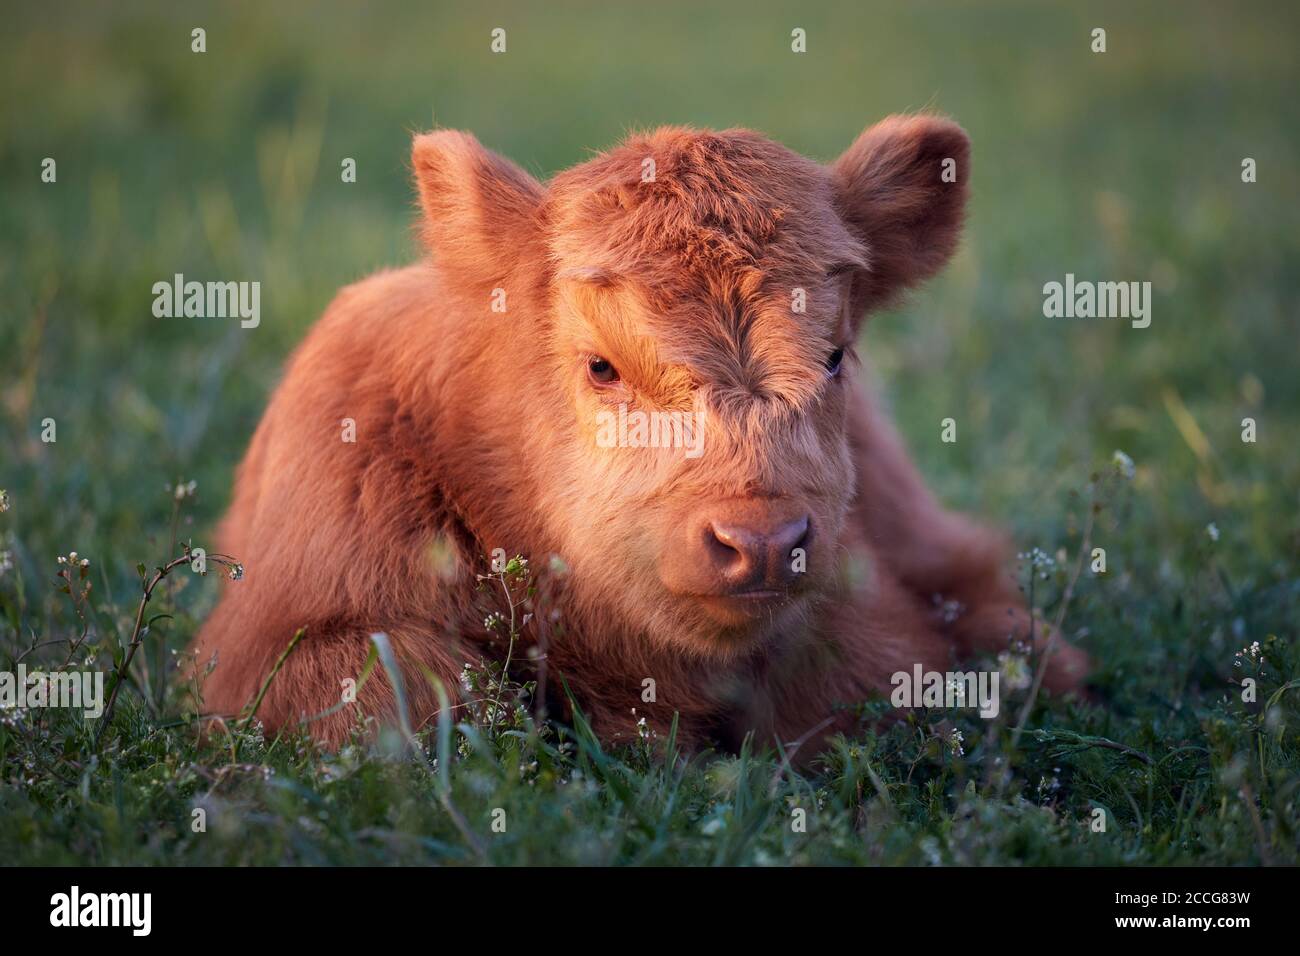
<point x="480" y="209"/>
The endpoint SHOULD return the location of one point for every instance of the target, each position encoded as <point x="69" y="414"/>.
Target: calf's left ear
<point x="901" y="189"/>
<point x="480" y="209"/>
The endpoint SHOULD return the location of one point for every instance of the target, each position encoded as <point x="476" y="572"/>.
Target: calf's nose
<point x="750" y="556"/>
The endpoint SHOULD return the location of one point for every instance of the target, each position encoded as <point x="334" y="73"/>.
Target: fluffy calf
<point x="493" y="393"/>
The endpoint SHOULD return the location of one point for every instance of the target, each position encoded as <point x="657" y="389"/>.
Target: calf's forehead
<point x="722" y="241"/>
<point x="675" y="208"/>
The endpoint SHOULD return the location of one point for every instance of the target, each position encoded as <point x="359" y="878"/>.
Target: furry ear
<point x="480" y="209"/>
<point x="894" y="196"/>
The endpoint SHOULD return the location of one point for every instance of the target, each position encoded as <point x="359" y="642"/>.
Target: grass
<point x="1123" y="165"/>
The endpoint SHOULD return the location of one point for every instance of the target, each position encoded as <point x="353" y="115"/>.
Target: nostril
<point x="727" y="537"/>
<point x="730" y="543"/>
<point x="738" y="554"/>
<point x="791" y="536"/>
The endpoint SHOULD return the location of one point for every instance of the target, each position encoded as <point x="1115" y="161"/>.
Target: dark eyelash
<point x="835" y="361"/>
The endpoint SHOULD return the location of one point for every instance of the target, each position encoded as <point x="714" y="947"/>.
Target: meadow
<point x="1125" y="165"/>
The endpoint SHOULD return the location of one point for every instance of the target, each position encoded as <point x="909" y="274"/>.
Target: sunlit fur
<point x="476" y="430"/>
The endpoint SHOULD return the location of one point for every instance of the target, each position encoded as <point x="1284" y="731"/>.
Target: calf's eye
<point x="600" y="371"/>
<point x="834" y="361"/>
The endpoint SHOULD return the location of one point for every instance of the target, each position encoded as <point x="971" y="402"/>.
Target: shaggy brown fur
<point x="476" y="430"/>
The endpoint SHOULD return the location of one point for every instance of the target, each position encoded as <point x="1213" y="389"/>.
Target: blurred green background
<point x="1124" y="165"/>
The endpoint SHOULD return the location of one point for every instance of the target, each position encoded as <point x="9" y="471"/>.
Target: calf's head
<point x="694" y="299"/>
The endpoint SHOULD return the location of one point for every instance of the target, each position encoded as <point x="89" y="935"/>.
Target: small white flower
<point x="1040" y="561"/>
<point x="1015" y="670"/>
<point x="955" y="740"/>
<point x="949" y="609"/>
<point x="1252" y="652"/>
<point x="1123" y="464"/>
<point x="1212" y="530"/>
<point x="183" y="489"/>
